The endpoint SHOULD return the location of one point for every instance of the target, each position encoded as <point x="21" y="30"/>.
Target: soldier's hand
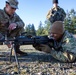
<point x="37" y="47"/>
<point x="8" y="43"/>
<point x="43" y="47"/>
<point x="12" y="26"/>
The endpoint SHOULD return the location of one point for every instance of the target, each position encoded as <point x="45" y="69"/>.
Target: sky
<point x="34" y="11"/>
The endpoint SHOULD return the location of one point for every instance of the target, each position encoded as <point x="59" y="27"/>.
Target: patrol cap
<point x="57" y="27"/>
<point x="55" y="1"/>
<point x="13" y="3"/>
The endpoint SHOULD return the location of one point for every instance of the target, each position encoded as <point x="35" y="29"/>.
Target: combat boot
<point x="17" y="49"/>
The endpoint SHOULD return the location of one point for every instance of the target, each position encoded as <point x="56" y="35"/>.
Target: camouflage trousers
<point x="10" y="34"/>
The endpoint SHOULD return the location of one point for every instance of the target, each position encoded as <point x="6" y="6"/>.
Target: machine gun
<point x="26" y="40"/>
<point x="32" y="40"/>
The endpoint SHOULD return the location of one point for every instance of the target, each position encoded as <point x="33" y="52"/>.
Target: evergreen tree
<point x="33" y="31"/>
<point x="70" y="21"/>
<point x="40" y="30"/>
<point x="30" y="29"/>
<point x="47" y="26"/>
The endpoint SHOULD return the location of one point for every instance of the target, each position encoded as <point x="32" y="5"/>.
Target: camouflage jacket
<point x="68" y="51"/>
<point x="5" y="20"/>
<point x="56" y="14"/>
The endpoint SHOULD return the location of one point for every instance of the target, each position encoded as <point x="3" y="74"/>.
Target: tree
<point x="47" y="26"/>
<point x="40" y="30"/>
<point x="33" y="31"/>
<point x="70" y="21"/>
<point x="30" y="29"/>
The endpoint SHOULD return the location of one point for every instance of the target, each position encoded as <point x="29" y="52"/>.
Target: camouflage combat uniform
<point x="6" y="20"/>
<point x="56" y="14"/>
<point x="68" y="50"/>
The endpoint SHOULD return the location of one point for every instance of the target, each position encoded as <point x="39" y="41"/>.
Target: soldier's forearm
<point x="20" y="24"/>
<point x="63" y="56"/>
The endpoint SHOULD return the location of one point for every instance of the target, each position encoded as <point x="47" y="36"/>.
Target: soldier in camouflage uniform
<point x="56" y="13"/>
<point x="10" y="23"/>
<point x="67" y="42"/>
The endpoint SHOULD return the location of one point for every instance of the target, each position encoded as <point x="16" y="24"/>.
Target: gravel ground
<point x="36" y="63"/>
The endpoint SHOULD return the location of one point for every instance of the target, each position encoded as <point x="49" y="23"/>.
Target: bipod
<point x="16" y="58"/>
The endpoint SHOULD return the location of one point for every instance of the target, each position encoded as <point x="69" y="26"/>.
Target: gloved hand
<point x="42" y="47"/>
